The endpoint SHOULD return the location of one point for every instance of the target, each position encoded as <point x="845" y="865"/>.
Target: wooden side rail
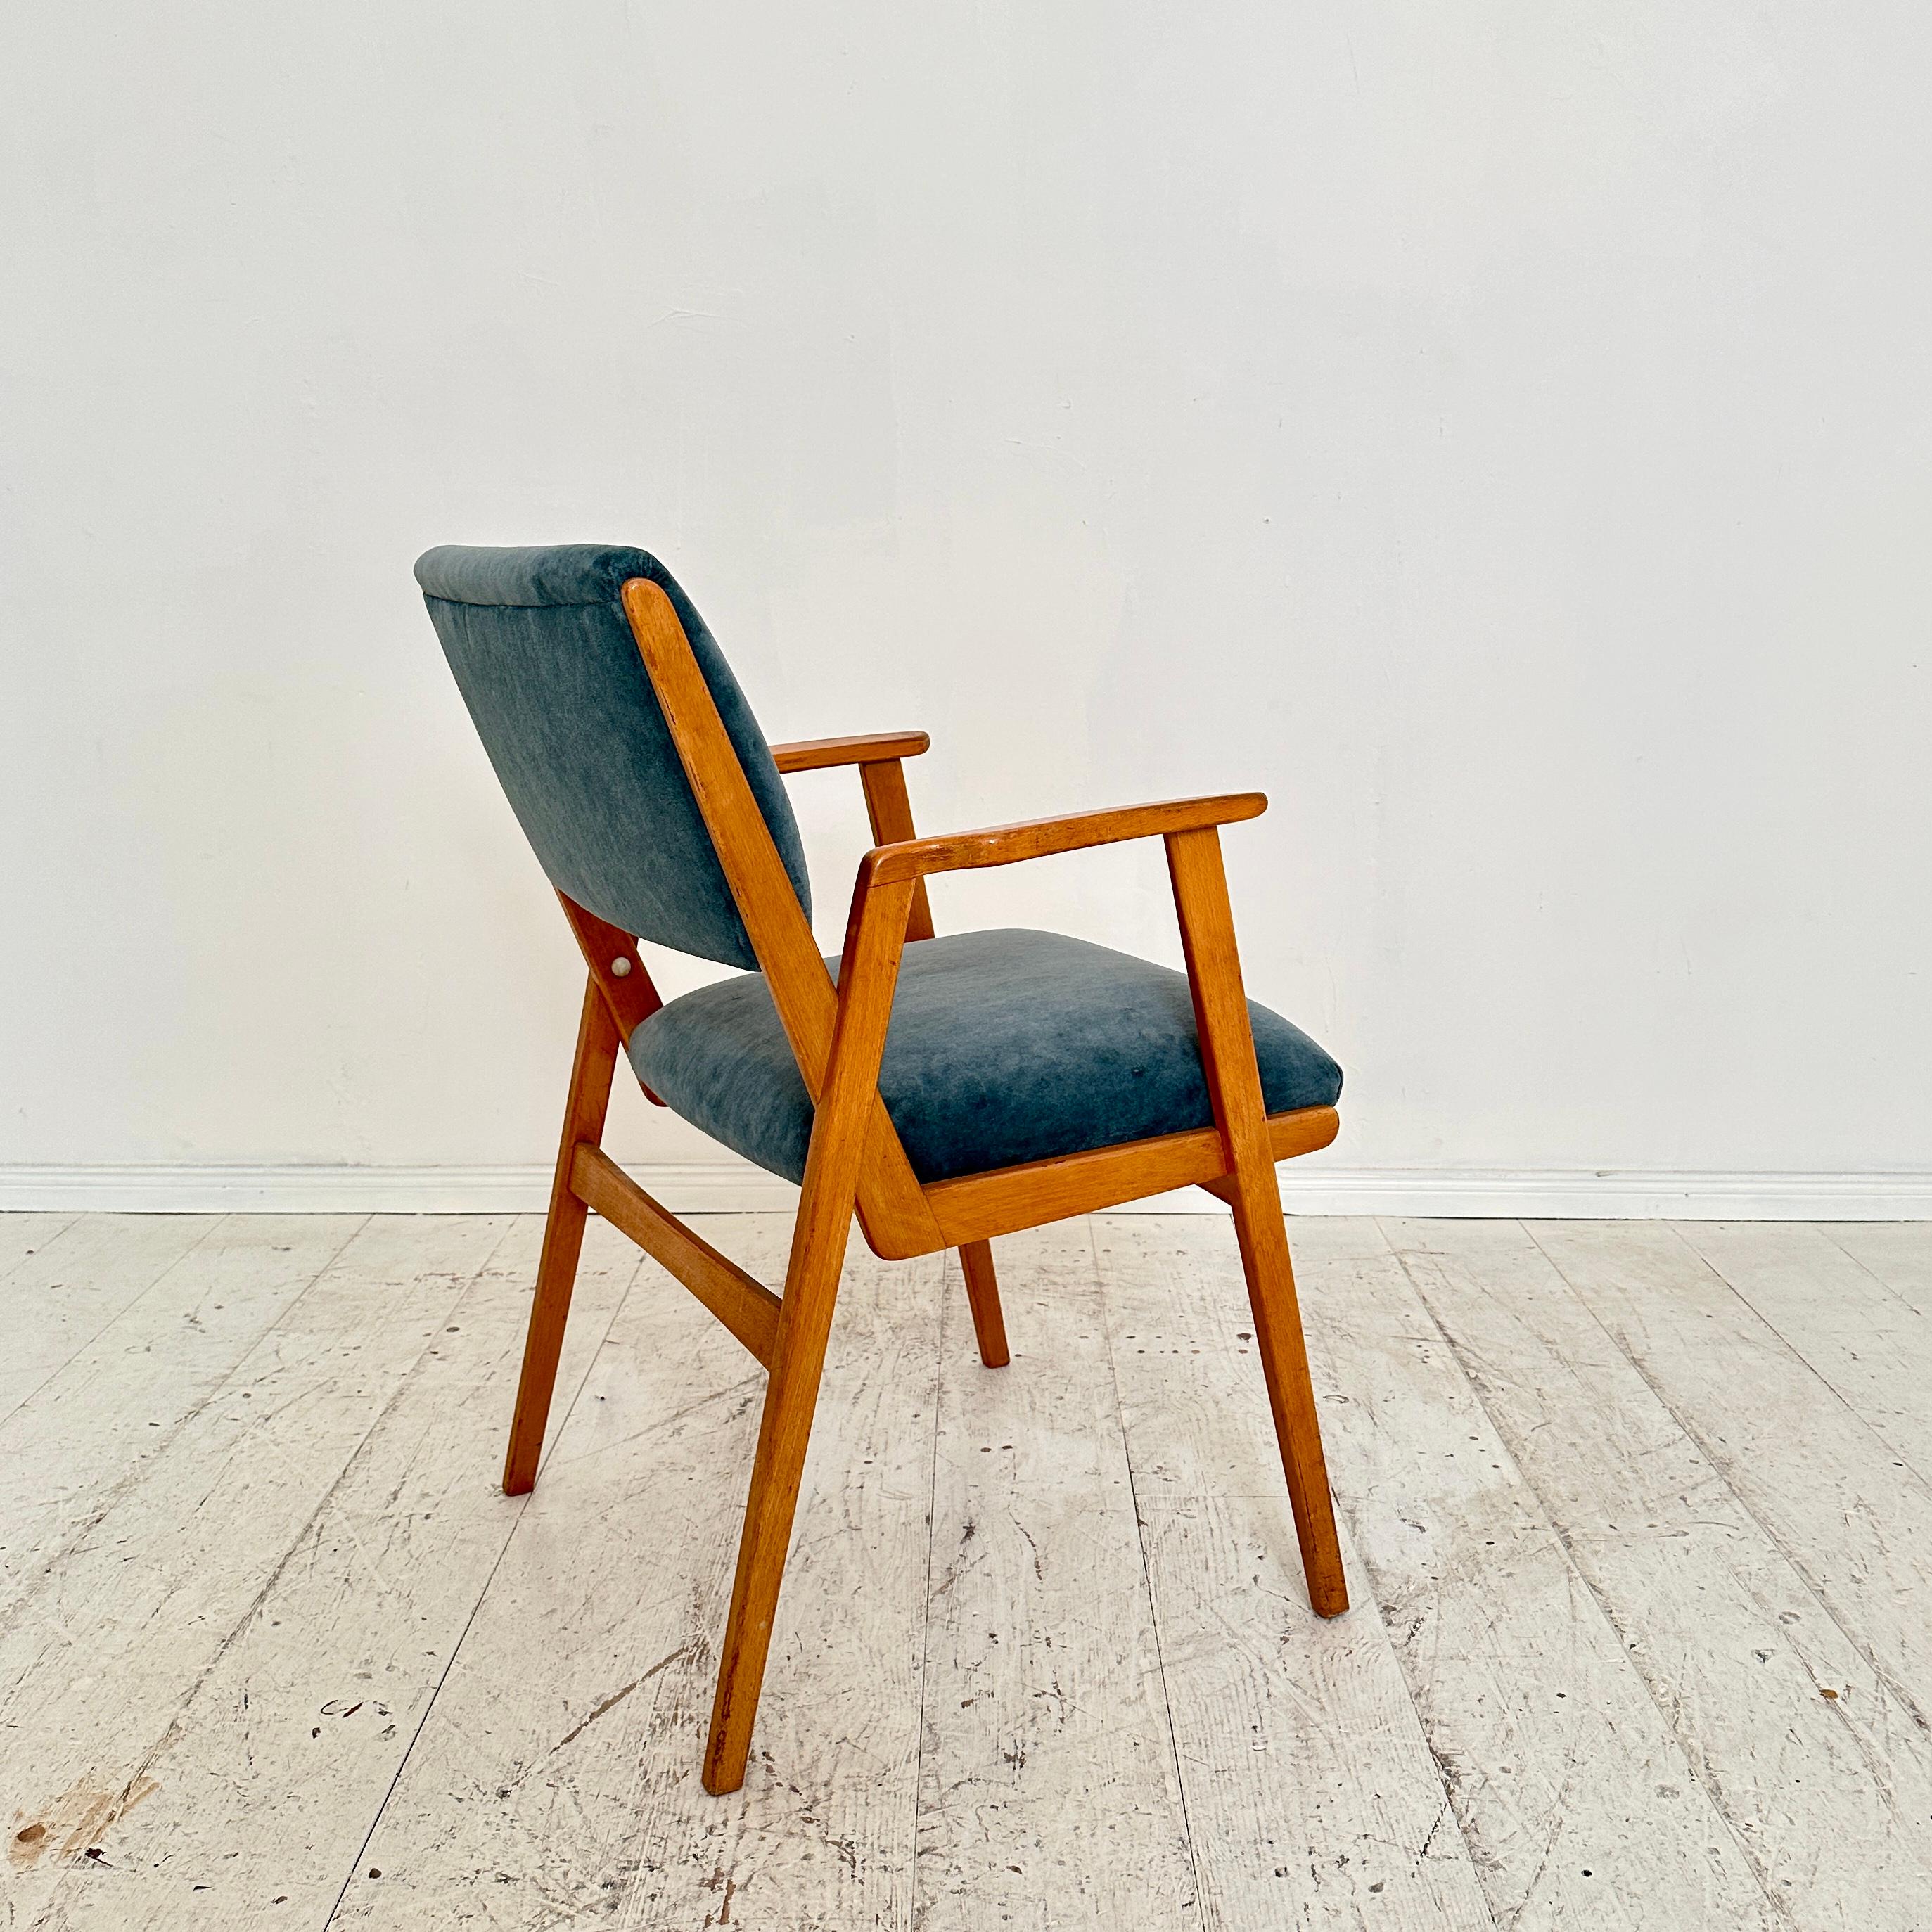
<point x="813" y="755"/>
<point x="747" y="1307"/>
<point x="980" y="1205"/>
<point x="1038" y="837"/>
<point x="977" y="1207"/>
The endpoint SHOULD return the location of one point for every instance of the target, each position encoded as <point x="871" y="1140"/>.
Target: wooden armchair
<point x="946" y="1091"/>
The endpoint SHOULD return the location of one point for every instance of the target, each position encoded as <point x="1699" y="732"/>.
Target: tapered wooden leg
<point x="583" y="1115"/>
<point x="866" y="978"/>
<point x="1264" y="1259"/>
<point x="805" y="1323"/>
<point x="982" y="1293"/>
<point x="1234" y="1081"/>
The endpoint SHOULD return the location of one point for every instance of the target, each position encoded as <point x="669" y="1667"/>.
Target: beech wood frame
<point x="856" y="1165"/>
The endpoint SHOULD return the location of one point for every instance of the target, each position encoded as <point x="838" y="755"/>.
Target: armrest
<point x="1035" y="838"/>
<point x="812" y="754"/>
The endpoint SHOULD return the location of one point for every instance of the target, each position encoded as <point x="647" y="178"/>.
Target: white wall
<point x="1500" y="432"/>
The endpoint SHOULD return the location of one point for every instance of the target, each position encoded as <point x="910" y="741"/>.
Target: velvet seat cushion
<point x="1004" y="1047"/>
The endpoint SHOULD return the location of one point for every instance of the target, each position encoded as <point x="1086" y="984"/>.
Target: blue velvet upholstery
<point x="1004" y="1047"/>
<point x="544" y="655"/>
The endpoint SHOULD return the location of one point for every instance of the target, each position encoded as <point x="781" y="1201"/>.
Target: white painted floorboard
<point x="1733" y="1647"/>
<point x="1637" y="1520"/>
<point x="1048" y="1793"/>
<point x="75" y="1280"/>
<point x="1867" y="1341"/>
<point x="1356" y="1829"/>
<point x="22" y="1235"/>
<point x="74" y="1447"/>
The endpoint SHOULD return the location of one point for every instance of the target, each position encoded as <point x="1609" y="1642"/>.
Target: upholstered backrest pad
<point x="544" y="658"/>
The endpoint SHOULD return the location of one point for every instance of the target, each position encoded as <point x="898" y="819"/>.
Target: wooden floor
<point x="1638" y="1521"/>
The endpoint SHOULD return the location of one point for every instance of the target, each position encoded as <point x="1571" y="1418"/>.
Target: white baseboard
<point x="1566" y="1194"/>
<point x="734" y="1186"/>
<point x="715" y="1187"/>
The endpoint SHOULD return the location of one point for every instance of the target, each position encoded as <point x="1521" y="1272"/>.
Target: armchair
<point x="942" y="1091"/>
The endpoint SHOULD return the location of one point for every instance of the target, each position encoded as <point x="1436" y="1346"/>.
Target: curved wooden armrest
<point x="1035" y="838"/>
<point x="812" y="754"/>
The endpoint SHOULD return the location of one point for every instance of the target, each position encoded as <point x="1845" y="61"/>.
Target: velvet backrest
<point x="543" y="656"/>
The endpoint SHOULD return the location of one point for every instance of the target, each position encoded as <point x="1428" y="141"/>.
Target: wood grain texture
<point x="1572" y="1791"/>
<point x="1009" y="1198"/>
<point x="892" y="1211"/>
<point x="1867" y="1341"/>
<point x="982" y="1297"/>
<point x="1848" y="1513"/>
<point x="534" y="1757"/>
<point x="1049" y="1798"/>
<point x="76" y="1281"/>
<point x="1075" y="832"/>
<point x="173" y="1574"/>
<point x="888" y="809"/>
<point x="868" y="973"/>
<point x="747" y="1308"/>
<point x="1898" y="1252"/>
<point x="556" y="1778"/>
<point x="23" y="1235"/>
<point x="1829" y="1796"/>
<point x="586" y="1102"/>
<point x="811" y="754"/>
<point x="282" y="1753"/>
<point x="1234" y="1084"/>
<point x="821" y="1835"/>
<point x="1339" y="1817"/>
<point x="1041" y="1659"/>
<point x="74" y="1448"/>
<point x="616" y="969"/>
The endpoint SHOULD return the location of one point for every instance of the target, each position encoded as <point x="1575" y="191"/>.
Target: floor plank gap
<point x="1634" y="1518"/>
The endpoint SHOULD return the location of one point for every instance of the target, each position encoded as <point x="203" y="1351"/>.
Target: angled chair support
<point x="836" y="1033"/>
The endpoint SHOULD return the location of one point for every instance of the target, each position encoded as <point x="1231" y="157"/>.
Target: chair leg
<point x="583" y="1113"/>
<point x="1233" y="1084"/>
<point x="811" y="1287"/>
<point x="1263" y="1236"/>
<point x="983" y="1293"/>
<point x="867" y="975"/>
